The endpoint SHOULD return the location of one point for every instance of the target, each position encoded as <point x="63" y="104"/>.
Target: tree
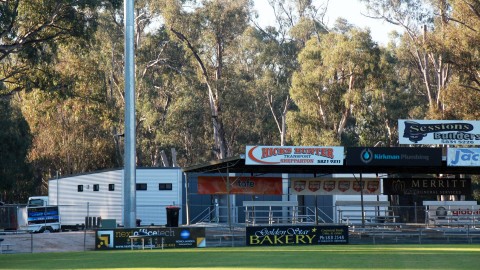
<point x="73" y="129"/>
<point x="420" y="21"/>
<point x="462" y="36"/>
<point x="277" y="48"/>
<point x="30" y="32"/>
<point x="15" y="141"/>
<point x="207" y="33"/>
<point x="330" y="87"/>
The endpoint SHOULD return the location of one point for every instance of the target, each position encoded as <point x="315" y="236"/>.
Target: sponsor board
<point x="393" y="156"/>
<point x="240" y="185"/>
<point x="334" y="186"/>
<point x="39" y="215"/>
<point x="161" y="237"/>
<point x="426" y="186"/>
<point x="296" y="235"/>
<point x="463" y="157"/>
<point x="294" y="155"/>
<point x="452" y="132"/>
<point x="452" y="211"/>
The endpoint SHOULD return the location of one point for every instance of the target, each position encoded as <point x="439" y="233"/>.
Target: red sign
<point x="334" y="186"/>
<point x="240" y="185"/>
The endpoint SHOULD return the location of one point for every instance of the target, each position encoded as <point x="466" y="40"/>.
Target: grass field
<point x="292" y="257"/>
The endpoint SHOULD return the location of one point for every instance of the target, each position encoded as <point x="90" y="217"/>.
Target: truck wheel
<point x="46" y="230"/>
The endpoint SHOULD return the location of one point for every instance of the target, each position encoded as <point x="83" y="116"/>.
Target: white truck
<point x="36" y="216"/>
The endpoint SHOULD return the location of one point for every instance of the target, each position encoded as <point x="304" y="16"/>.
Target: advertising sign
<point x="439" y="132"/>
<point x="39" y="215"/>
<point x="161" y="237"/>
<point x="394" y="156"/>
<point x="334" y="186"/>
<point x="240" y="185"/>
<point x="452" y="211"/>
<point x="294" y="155"/>
<point x="426" y="186"/>
<point x="463" y="157"/>
<point x="296" y="235"/>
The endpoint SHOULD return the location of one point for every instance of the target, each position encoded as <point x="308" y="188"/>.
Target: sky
<point x="351" y="10"/>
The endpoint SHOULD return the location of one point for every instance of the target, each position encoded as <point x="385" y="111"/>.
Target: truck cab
<point x="37" y="201"/>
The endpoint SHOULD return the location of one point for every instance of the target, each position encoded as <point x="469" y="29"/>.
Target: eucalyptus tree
<point x="30" y="32"/>
<point x="423" y="23"/>
<point x="461" y="38"/>
<point x="15" y="141"/>
<point x="171" y="109"/>
<point x="331" y="87"/>
<point x="207" y="32"/>
<point x="72" y="126"/>
<point x="296" y="21"/>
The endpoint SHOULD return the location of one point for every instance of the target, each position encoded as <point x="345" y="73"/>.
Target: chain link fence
<point x="226" y="228"/>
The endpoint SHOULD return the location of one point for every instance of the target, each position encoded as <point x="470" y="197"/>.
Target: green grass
<point x="292" y="257"/>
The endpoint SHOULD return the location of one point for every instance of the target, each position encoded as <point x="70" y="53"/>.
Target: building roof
<point x="237" y="165"/>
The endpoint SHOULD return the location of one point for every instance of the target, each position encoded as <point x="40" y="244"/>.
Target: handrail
<point x="206" y="216"/>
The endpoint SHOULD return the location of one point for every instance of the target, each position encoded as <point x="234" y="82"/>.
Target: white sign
<point x="294" y="155"/>
<point x="463" y="157"/>
<point x="453" y="132"/>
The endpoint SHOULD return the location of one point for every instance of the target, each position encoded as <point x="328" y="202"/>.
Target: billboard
<point x="296" y="235"/>
<point x="240" y="185"/>
<point x="463" y="157"/>
<point x="393" y="156"/>
<point x="294" y="155"/>
<point x="334" y="186"/>
<point x="451" y="132"/>
<point x="426" y="186"/>
<point x="160" y="237"/>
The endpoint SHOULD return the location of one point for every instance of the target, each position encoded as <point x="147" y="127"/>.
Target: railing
<point x="206" y="215"/>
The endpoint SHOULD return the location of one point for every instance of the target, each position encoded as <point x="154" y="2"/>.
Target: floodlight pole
<point x="129" y="210"/>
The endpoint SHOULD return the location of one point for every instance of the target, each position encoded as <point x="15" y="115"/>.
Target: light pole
<point x="129" y="212"/>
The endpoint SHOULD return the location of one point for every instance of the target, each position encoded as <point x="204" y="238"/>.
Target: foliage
<point x="15" y="141"/>
<point x="209" y="80"/>
<point x="30" y="32"/>
<point x="335" y="75"/>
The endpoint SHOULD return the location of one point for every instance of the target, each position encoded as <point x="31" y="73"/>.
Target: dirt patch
<point x="49" y="242"/>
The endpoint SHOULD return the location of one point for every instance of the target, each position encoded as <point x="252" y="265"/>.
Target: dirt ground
<point x="49" y="242"/>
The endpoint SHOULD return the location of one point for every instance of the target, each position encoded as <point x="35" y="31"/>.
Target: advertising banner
<point x="394" y="156"/>
<point x="334" y="186"/>
<point x="463" y="157"/>
<point x="294" y="155"/>
<point x="240" y="185"/>
<point x="296" y="235"/>
<point x="39" y="215"/>
<point x="453" y="211"/>
<point x="451" y="132"/>
<point x="426" y="186"/>
<point x="160" y="237"/>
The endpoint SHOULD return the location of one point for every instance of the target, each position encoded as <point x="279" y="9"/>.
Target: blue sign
<point x="468" y="157"/>
<point x="394" y="156"/>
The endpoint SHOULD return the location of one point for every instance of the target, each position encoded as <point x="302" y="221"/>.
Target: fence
<point x="376" y="224"/>
<point x="92" y="215"/>
<point x="369" y="215"/>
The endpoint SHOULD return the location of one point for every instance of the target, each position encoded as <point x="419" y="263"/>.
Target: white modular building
<point x="100" y="195"/>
